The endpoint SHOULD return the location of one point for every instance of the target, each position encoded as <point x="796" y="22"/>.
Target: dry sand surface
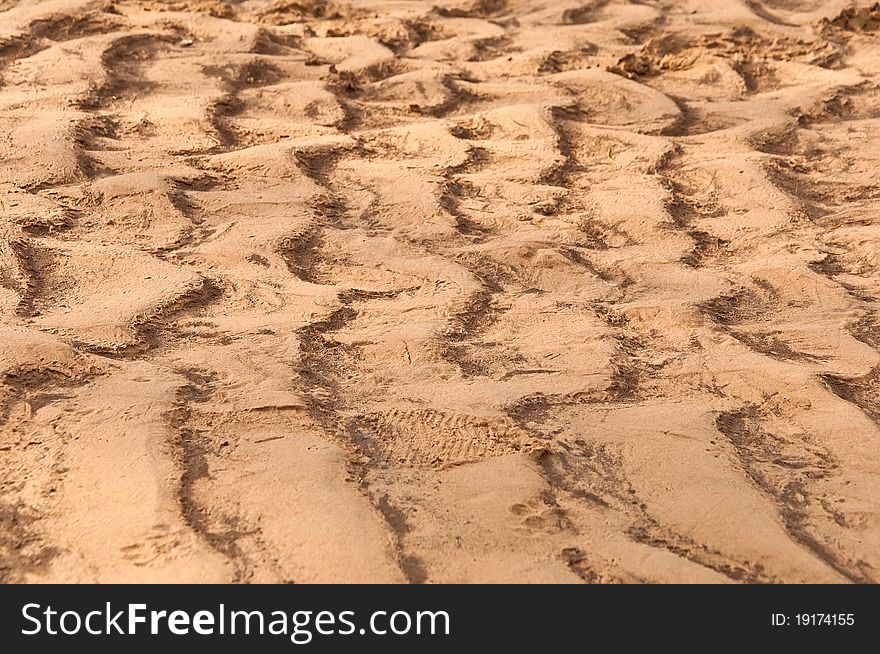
<point x="444" y="291"/>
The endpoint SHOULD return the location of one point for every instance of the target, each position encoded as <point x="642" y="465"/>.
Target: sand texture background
<point x="444" y="291"/>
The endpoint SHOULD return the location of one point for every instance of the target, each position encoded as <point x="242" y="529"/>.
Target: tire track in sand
<point x="461" y="291"/>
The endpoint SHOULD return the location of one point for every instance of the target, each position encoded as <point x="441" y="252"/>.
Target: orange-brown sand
<point x="443" y="291"/>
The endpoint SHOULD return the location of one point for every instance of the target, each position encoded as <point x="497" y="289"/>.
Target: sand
<point x="442" y="291"/>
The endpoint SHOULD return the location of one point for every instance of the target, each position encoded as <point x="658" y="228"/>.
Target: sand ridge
<point x="443" y="291"/>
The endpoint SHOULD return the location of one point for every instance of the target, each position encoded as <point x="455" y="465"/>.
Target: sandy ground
<point x="444" y="291"/>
